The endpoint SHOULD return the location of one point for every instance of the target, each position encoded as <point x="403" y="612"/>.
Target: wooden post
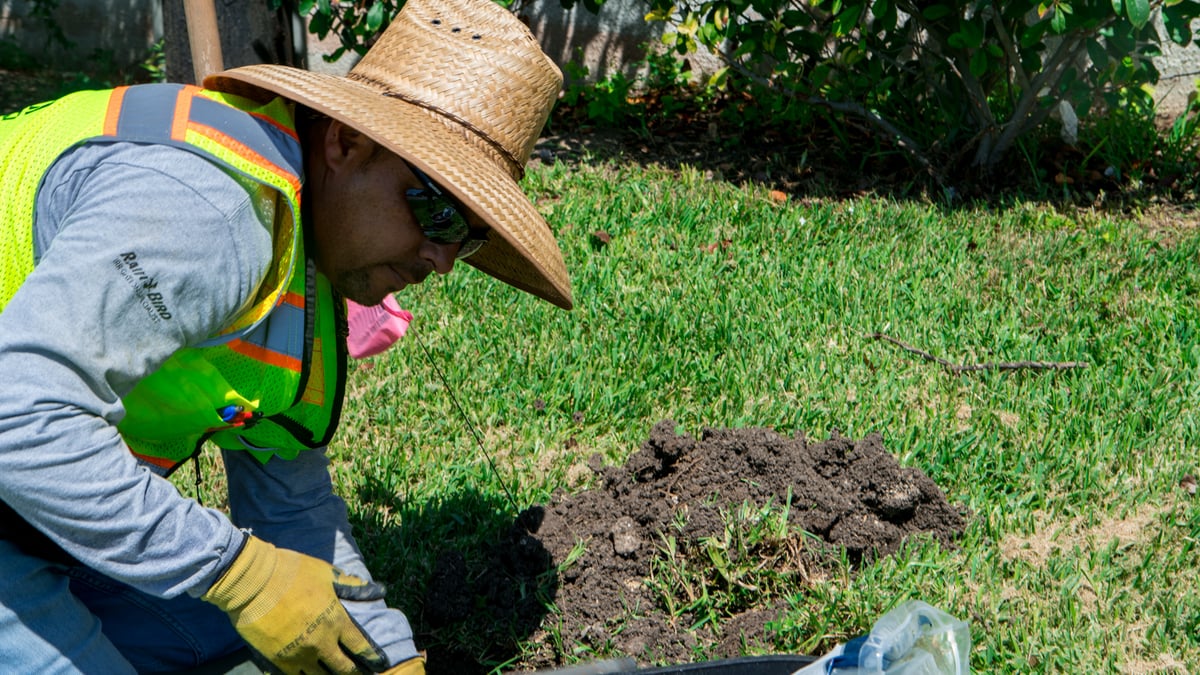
<point x="203" y="37"/>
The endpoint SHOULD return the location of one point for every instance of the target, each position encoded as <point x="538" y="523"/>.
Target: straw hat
<point x="460" y="89"/>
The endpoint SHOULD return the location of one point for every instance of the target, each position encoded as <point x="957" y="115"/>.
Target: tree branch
<point x="955" y="368"/>
<point x="893" y="133"/>
<point x="1023" y="114"/>
<point x="937" y="40"/>
<point x="1010" y="50"/>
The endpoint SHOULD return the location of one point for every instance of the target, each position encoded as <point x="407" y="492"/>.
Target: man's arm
<point x="78" y="336"/>
<point x="291" y="504"/>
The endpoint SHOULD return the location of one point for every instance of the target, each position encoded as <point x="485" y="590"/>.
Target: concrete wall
<point x="1179" y="73"/>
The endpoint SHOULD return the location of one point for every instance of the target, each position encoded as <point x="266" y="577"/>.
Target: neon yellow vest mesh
<point x="254" y="386"/>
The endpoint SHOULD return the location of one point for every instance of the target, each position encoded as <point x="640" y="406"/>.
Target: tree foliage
<point x="355" y="23"/>
<point x="955" y="84"/>
<point x="948" y="81"/>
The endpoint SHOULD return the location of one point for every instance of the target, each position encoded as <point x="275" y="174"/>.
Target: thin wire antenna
<point x="466" y="418"/>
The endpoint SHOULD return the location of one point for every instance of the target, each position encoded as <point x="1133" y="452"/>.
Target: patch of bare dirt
<point x="853" y="496"/>
<point x="21" y="88"/>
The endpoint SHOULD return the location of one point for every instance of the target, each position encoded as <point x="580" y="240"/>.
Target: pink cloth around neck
<point x="374" y="329"/>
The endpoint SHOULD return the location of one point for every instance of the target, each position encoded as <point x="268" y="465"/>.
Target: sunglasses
<point x="440" y="218"/>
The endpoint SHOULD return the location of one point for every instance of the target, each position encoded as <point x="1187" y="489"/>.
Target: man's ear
<point x="345" y="146"/>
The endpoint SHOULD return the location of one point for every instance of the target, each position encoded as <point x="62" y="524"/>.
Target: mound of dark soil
<point x="852" y="495"/>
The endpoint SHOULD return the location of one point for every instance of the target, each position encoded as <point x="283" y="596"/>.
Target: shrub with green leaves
<point x="953" y="83"/>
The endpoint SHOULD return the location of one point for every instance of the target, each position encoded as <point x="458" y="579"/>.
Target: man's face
<point x="368" y="242"/>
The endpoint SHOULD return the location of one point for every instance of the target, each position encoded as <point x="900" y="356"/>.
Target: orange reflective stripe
<point x="160" y="462"/>
<point x="114" y="111"/>
<point x="284" y="298"/>
<point x="273" y="122"/>
<point x="265" y="355"/>
<point x="183" y="110"/>
<point x="245" y="152"/>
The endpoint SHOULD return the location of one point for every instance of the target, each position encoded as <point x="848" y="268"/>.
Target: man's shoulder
<point x="149" y="169"/>
<point x="152" y="188"/>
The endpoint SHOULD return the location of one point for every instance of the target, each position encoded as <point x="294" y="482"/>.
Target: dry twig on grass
<point x="973" y="367"/>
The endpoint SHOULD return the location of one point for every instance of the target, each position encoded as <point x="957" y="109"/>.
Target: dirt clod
<point x="853" y="495"/>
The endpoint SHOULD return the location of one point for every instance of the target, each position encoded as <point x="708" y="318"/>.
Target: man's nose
<point x="441" y="255"/>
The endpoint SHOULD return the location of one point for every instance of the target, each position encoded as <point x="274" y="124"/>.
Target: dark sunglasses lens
<point x="439" y="221"/>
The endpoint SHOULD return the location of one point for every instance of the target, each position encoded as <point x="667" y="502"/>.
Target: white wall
<point x="1179" y="71"/>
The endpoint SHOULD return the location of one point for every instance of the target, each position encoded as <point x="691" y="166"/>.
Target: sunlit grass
<point x="720" y="306"/>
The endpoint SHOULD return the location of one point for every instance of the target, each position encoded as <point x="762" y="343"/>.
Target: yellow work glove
<point x="287" y="607"/>
<point x="410" y="667"/>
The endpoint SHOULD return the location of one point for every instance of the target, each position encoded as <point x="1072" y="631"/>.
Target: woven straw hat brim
<point x="521" y="250"/>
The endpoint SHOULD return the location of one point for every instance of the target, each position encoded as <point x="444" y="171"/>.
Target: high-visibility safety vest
<point x="271" y="382"/>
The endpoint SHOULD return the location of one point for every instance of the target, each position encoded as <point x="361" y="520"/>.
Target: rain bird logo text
<point x="143" y="286"/>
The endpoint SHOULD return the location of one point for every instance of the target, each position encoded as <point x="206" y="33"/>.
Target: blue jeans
<point x="58" y="618"/>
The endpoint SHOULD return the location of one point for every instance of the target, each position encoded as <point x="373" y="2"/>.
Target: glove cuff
<point x="246" y="576"/>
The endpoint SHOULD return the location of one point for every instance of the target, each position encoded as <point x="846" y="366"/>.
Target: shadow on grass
<point x="472" y="578"/>
<point x="834" y="158"/>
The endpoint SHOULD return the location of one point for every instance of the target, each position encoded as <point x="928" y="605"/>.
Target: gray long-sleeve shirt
<point x="78" y="336"/>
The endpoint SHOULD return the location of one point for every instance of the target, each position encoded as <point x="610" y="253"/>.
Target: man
<point x="174" y="263"/>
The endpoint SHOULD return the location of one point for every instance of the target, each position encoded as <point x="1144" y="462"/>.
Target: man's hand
<point x="287" y="607"/>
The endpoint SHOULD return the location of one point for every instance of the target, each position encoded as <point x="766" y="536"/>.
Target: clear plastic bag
<point x="912" y="639"/>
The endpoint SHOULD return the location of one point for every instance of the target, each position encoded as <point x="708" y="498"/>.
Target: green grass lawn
<point x="720" y="306"/>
